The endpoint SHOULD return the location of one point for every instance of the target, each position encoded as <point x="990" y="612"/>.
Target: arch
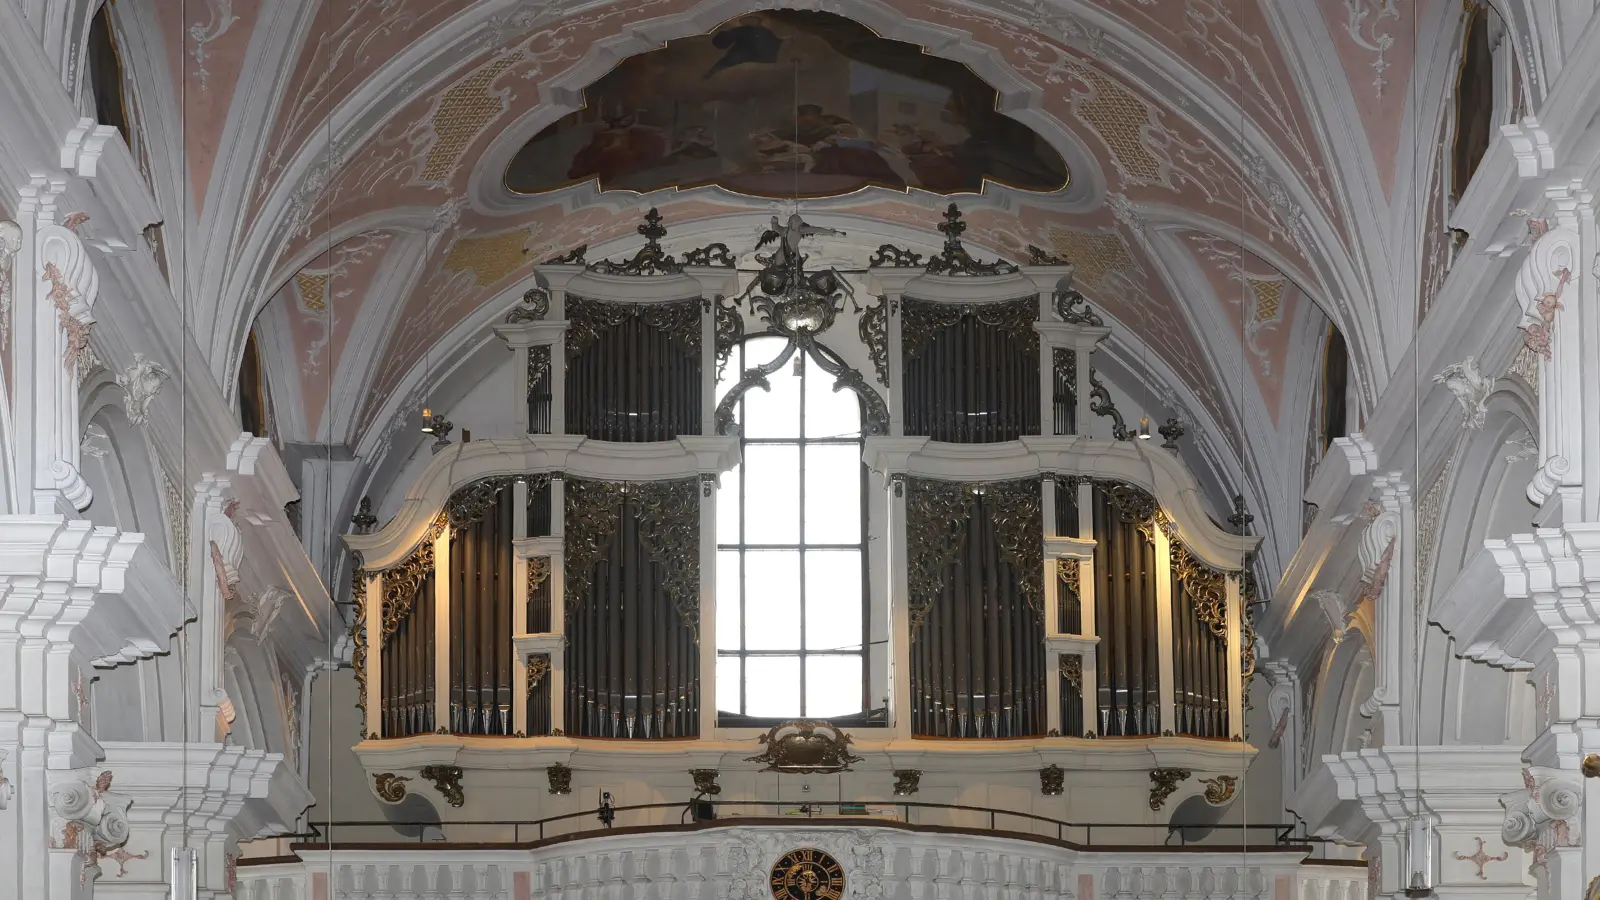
<point x="1346" y="682"/>
<point x="118" y="460"/>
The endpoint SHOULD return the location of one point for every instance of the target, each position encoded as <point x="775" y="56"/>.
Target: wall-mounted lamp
<point x="1144" y="428"/>
<point x="438" y="426"/>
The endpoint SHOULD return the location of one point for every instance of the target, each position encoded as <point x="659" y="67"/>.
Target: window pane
<point x="728" y="599"/>
<point x="772" y="600"/>
<point x="829" y="413"/>
<point x="728" y="507"/>
<point x="833" y="493"/>
<point x="728" y="683"/>
<point x="771" y="494"/>
<point x="772" y="686"/>
<point x="833" y="600"/>
<point x="775" y="413"/>
<point x="833" y="686"/>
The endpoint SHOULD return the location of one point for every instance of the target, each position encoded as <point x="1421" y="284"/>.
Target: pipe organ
<point x="1043" y="573"/>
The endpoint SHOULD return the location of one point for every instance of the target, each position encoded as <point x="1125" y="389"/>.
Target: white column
<point x="374" y="664"/>
<point x="558" y="367"/>
<point x="1235" y="670"/>
<point x="708" y="383"/>
<point x="708" y="608"/>
<point x="899" y="609"/>
<point x="519" y="598"/>
<point x="897" y="417"/>
<point x="441" y="631"/>
<point x="1091" y="686"/>
<point x="519" y="380"/>
<point x="1164" y="651"/>
<point x="558" y="598"/>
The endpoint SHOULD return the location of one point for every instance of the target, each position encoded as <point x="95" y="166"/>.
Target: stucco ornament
<point x="1543" y="816"/>
<point x="7" y="790"/>
<point x="10" y="243"/>
<point x="141" y="382"/>
<point x="88" y="819"/>
<point x="1470" y="388"/>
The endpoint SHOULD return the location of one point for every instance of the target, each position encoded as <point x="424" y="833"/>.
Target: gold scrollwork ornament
<point x="807" y="874"/>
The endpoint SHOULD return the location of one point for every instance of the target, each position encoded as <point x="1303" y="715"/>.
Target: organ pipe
<point x="1200" y="647"/>
<point x="633" y="369"/>
<point x="632" y="609"/>
<point x="408" y="670"/>
<point x="971" y="370"/>
<point x="977" y="625"/>
<point x="481" y="632"/>
<point x="1127" y="664"/>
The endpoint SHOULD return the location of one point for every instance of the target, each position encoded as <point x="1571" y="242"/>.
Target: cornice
<point x="1136" y="462"/>
<point x="572" y="455"/>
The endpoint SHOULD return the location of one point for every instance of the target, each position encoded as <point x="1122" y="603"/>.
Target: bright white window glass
<point x="833" y="600"/>
<point x="829" y="413"/>
<point x="727" y="600"/>
<point x="774" y="413"/>
<point x="833" y="686"/>
<point x="771" y="494"/>
<point x="790" y="549"/>
<point x="772" y="599"/>
<point x="833" y="493"/>
<point x="728" y="682"/>
<point x="728" y="507"/>
<point x="772" y="686"/>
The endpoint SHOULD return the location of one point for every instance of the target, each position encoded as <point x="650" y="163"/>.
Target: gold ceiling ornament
<point x="462" y="113"/>
<point x="1220" y="790"/>
<point x="560" y="777"/>
<point x="313" y="290"/>
<point x="807" y="874"/>
<point x="1098" y="257"/>
<point x="805" y="747"/>
<point x="447" y="781"/>
<point x="1072" y="669"/>
<point x="1120" y="118"/>
<point x="1164" y="783"/>
<point x="907" y="782"/>
<point x="1052" y="781"/>
<point x="489" y="257"/>
<point x="389" y="787"/>
<point x="538" y="668"/>
<point x="1269" y="298"/>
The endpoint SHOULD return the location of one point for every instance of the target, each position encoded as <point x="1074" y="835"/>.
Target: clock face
<point x="807" y="874"/>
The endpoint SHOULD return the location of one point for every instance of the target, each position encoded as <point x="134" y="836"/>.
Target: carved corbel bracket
<point x="1543" y="816"/>
<point x="907" y="782"/>
<point x="89" y="820"/>
<point x="560" y="777"/>
<point x="447" y="781"/>
<point x="1164" y="783"/>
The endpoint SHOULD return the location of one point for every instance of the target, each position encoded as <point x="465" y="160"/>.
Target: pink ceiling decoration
<point x="1376" y="45"/>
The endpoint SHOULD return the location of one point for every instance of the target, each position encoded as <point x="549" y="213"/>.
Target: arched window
<point x="254" y="415"/>
<point x="1332" y="415"/>
<point x="1474" y="101"/>
<point x="105" y="80"/>
<point x="791" y="547"/>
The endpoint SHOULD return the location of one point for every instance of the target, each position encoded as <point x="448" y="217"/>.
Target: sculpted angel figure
<point x="788" y="235"/>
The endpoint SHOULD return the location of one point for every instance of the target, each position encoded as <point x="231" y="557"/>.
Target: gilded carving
<point x="588" y="319"/>
<point x="447" y="781"/>
<point x="538" y="369"/>
<point x="954" y="258"/>
<point x="669" y="528"/>
<point x="560" y="777"/>
<point x="920" y="320"/>
<point x="538" y="572"/>
<point x="907" y="781"/>
<point x="1064" y="364"/>
<point x="874" y="330"/>
<point x="937" y="513"/>
<point x="650" y="260"/>
<point x="538" y="668"/>
<point x="389" y="787"/>
<point x="534" y="307"/>
<point x="894" y="257"/>
<point x="1164" y="783"/>
<point x="1075" y="310"/>
<point x="573" y="257"/>
<point x="1052" y="781"/>
<point x="1207" y="588"/>
<point x="1220" y="790"/>
<point x="1067" y="570"/>
<point x="1072" y="669"/>
<point x="1100" y="404"/>
<point x="729" y="324"/>
<point x="710" y="255"/>
<point x="705" y="782"/>
<point x="806" y="747"/>
<point x="1040" y="257"/>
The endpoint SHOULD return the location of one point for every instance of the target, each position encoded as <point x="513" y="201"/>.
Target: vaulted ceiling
<point x="1241" y="174"/>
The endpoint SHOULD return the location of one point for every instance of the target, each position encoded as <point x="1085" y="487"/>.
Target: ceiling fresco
<point x="788" y="103"/>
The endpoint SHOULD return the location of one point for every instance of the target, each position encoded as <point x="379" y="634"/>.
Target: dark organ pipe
<point x="633" y="664"/>
<point x="971" y="372"/>
<point x="1127" y="667"/>
<point x="1065" y="400"/>
<point x="408" y="673"/>
<point x="481" y="648"/>
<point x="1200" y="666"/>
<point x="631" y="375"/>
<point x="978" y="658"/>
<point x="539" y="395"/>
